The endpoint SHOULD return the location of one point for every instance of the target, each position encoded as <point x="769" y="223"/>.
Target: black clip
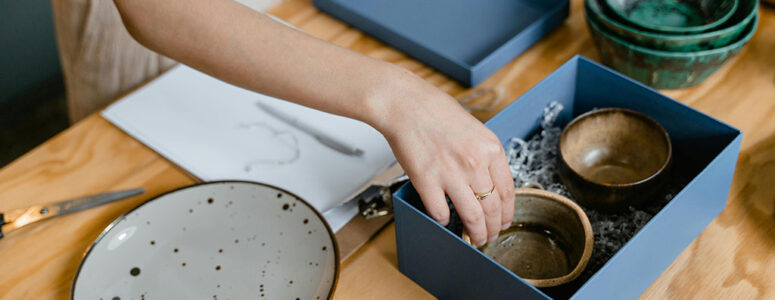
<point x="377" y="200"/>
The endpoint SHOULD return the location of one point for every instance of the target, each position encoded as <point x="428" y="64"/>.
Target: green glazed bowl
<point x="674" y="16"/>
<point x="724" y="35"/>
<point x="663" y="69"/>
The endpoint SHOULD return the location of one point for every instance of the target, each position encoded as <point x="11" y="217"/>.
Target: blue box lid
<point x="466" y="40"/>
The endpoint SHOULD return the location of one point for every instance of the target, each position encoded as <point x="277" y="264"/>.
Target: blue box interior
<point x="467" y="40"/>
<point x="706" y="153"/>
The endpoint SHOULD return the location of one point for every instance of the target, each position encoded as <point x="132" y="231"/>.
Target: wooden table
<point x="734" y="256"/>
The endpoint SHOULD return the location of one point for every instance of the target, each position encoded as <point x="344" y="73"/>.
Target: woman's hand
<point x="446" y="151"/>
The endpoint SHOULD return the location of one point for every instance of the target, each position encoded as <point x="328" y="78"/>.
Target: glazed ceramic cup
<point x="613" y="158"/>
<point x="687" y="16"/>
<point x="719" y="37"/>
<point x="549" y="243"/>
<point x="663" y="69"/>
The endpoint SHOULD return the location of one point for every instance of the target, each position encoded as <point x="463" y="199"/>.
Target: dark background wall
<point x="32" y="103"/>
<point x="29" y="54"/>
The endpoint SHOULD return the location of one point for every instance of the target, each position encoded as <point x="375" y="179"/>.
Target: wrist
<point x="396" y="100"/>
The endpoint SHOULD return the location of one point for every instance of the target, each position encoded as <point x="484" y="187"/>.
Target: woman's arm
<point x="443" y="149"/>
<point x="241" y="46"/>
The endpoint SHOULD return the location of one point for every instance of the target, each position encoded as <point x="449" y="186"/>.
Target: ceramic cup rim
<point x="586" y="227"/>
<point x="665" y="165"/>
<point x="106" y="230"/>
<point x="672" y="37"/>
<point x="678" y="29"/>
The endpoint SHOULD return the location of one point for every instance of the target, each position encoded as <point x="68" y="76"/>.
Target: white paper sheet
<point x="217" y="132"/>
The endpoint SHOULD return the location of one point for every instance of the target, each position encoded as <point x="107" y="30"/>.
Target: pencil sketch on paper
<point x="285" y="144"/>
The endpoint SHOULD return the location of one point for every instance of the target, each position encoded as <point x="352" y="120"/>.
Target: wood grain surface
<point x="733" y="258"/>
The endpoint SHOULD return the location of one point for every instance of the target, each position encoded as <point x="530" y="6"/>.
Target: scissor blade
<point x="78" y="204"/>
<point x="22" y="217"/>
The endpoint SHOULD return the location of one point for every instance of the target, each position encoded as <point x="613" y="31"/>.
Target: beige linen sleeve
<point x="100" y="60"/>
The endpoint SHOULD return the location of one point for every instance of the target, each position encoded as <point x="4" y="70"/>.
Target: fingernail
<point x="505" y="226"/>
<point x="493" y="238"/>
<point x="481" y="243"/>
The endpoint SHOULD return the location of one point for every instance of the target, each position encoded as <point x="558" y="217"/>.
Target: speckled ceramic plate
<point x="221" y="240"/>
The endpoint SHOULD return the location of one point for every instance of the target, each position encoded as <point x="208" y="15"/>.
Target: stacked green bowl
<point x="667" y="59"/>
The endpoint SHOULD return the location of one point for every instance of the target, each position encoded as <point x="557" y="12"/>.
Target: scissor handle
<point x="2" y="222"/>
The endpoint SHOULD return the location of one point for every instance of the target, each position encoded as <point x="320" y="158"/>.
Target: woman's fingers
<point x="492" y="213"/>
<point x="504" y="185"/>
<point x="470" y="212"/>
<point x="482" y="184"/>
<point x="434" y="200"/>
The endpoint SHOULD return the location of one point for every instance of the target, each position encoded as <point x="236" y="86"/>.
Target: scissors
<point x="16" y="219"/>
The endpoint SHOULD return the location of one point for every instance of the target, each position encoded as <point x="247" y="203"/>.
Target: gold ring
<point x="482" y="196"/>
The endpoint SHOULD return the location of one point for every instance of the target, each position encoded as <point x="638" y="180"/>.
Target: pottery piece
<point x="716" y="38"/>
<point x="550" y="240"/>
<point x="663" y="69"/>
<point x="613" y="158"/>
<point x="221" y="240"/>
<point x="671" y="16"/>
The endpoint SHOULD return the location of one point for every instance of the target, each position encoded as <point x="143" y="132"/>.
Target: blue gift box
<point x="706" y="151"/>
<point x="464" y="39"/>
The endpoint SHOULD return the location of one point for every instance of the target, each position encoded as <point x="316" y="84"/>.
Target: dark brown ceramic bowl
<point x="614" y="158"/>
<point x="550" y="240"/>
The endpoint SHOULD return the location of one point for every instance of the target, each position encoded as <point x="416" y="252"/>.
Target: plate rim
<point x="109" y="227"/>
